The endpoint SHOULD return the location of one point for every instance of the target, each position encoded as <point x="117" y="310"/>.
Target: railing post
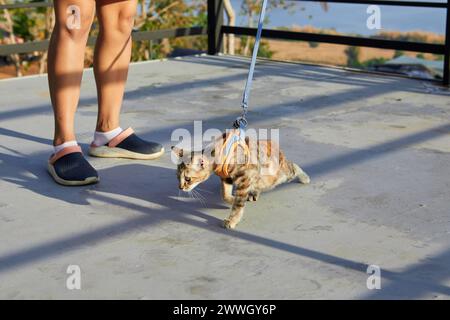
<point x="215" y="22"/>
<point x="447" y="47"/>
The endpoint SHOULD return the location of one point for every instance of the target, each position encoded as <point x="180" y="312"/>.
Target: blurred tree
<point x="32" y="24"/>
<point x="353" y="57"/>
<point x="27" y="25"/>
<point x="167" y="14"/>
<point x="264" y="48"/>
<point x="7" y="27"/>
<point x="251" y="9"/>
<point x="231" y="15"/>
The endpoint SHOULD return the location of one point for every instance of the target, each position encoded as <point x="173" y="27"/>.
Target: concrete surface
<point x="377" y="149"/>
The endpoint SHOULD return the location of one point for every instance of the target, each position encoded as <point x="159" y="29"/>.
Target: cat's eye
<point x="187" y="179"/>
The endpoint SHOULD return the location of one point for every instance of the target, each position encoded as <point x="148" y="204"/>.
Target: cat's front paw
<point x="229" y="224"/>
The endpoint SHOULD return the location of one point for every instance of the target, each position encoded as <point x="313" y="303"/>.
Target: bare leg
<point x="66" y="62"/>
<point x="112" y="58"/>
<point x="227" y="192"/>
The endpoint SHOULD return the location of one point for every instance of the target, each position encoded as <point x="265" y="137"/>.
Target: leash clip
<point x="240" y="123"/>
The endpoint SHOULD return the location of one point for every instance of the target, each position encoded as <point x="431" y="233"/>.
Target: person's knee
<point x="126" y="20"/>
<point x="124" y="23"/>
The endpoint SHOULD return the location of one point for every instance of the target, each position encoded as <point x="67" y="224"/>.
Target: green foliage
<point x="30" y="24"/>
<point x="420" y="56"/>
<point x="398" y="53"/>
<point x="167" y="14"/>
<point x="251" y="8"/>
<point x="23" y="24"/>
<point x="373" y="62"/>
<point x="264" y="48"/>
<point x="353" y="57"/>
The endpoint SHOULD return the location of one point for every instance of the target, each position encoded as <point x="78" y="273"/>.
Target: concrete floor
<point x="377" y="149"/>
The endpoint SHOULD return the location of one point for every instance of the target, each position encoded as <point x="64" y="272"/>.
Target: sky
<point x="351" y="18"/>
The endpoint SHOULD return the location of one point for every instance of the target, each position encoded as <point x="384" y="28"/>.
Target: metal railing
<point x="42" y="45"/>
<point x="216" y="30"/>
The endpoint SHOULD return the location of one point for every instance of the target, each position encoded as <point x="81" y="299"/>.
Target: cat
<point x="261" y="169"/>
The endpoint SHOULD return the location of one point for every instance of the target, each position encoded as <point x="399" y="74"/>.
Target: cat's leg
<point x="227" y="192"/>
<point x="237" y="211"/>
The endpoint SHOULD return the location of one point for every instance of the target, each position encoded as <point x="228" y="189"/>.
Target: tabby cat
<point x="262" y="168"/>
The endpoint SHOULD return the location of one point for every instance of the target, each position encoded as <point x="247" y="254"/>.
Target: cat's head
<point x="193" y="168"/>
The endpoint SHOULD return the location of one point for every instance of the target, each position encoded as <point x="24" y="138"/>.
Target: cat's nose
<point x="180" y="187"/>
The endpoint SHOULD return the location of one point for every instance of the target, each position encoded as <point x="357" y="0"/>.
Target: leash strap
<point x="241" y="122"/>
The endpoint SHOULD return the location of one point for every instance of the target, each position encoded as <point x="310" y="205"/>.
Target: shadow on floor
<point x="158" y="186"/>
<point x="416" y="281"/>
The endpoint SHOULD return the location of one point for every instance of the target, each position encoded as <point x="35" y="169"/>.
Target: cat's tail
<point x="302" y="176"/>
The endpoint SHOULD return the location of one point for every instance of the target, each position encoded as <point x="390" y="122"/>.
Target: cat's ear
<point x="177" y="151"/>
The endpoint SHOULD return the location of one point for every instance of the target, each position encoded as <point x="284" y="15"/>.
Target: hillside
<point x="335" y="54"/>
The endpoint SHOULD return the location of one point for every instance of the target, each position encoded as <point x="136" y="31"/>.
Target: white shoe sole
<point x="107" y="152"/>
<point x="63" y="182"/>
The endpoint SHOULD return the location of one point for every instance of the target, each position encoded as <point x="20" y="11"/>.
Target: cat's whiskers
<point x="202" y="197"/>
<point x="199" y="197"/>
<point x="194" y="195"/>
<point x="198" y="194"/>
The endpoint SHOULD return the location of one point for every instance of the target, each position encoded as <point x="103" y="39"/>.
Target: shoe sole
<point x="90" y="180"/>
<point x="107" y="152"/>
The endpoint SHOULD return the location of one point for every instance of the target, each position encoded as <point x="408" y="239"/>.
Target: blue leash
<point x="241" y="122"/>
